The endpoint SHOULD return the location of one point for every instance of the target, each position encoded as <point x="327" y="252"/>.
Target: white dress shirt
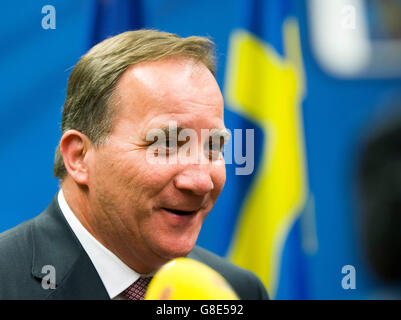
<point x="115" y="274"/>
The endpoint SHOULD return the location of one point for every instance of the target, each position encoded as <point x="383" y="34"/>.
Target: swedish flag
<point x="265" y="83"/>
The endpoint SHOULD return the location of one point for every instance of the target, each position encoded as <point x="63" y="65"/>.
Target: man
<point x="119" y="216"/>
<point x="378" y="181"/>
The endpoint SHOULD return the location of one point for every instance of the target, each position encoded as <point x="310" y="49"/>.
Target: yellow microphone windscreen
<point x="188" y="279"/>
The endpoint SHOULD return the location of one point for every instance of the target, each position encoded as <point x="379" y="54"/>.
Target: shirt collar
<point x="115" y="274"/>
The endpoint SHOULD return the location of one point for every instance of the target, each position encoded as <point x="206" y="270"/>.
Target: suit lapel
<point x="82" y="283"/>
<point x="54" y="244"/>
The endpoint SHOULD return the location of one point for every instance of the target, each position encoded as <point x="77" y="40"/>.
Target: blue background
<point x="35" y="64"/>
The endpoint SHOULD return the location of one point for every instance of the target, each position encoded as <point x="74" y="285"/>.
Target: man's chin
<point x="176" y="252"/>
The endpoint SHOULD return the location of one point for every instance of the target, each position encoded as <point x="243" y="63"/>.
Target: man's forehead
<point x="168" y="85"/>
<point x="171" y="74"/>
<point x="174" y="62"/>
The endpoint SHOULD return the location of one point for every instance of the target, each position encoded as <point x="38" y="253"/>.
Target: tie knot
<point x="137" y="290"/>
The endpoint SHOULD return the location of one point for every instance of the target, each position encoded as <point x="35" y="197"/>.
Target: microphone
<point x="188" y="279"/>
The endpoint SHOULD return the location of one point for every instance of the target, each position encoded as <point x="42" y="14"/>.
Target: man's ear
<point x="74" y="146"/>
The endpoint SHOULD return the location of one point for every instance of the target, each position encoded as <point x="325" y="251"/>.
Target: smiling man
<point x="118" y="216"/>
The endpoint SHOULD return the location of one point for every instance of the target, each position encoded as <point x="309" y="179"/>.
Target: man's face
<point x="152" y="210"/>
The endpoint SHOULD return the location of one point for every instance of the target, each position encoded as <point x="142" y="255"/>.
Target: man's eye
<point x="164" y="147"/>
<point x="170" y="144"/>
<point x="217" y="143"/>
<point x="215" y="147"/>
<point x="163" y="143"/>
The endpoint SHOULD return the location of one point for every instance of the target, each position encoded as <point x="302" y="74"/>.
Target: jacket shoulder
<point x="15" y="260"/>
<point x="14" y="242"/>
<point x="244" y="282"/>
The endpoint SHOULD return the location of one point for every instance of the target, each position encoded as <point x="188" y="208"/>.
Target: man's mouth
<point x="180" y="212"/>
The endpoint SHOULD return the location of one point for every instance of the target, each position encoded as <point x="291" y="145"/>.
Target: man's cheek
<point x="153" y="179"/>
<point x="219" y="178"/>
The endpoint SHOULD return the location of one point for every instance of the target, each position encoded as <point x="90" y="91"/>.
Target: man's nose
<point x="196" y="179"/>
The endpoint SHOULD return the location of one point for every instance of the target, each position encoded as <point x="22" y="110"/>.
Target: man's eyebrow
<point x="224" y="133"/>
<point x="170" y="129"/>
<point x="214" y="132"/>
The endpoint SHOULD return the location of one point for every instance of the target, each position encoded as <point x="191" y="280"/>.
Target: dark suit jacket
<point x="49" y="240"/>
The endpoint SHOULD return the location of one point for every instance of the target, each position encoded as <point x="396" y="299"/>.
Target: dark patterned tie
<point x="137" y="290"/>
